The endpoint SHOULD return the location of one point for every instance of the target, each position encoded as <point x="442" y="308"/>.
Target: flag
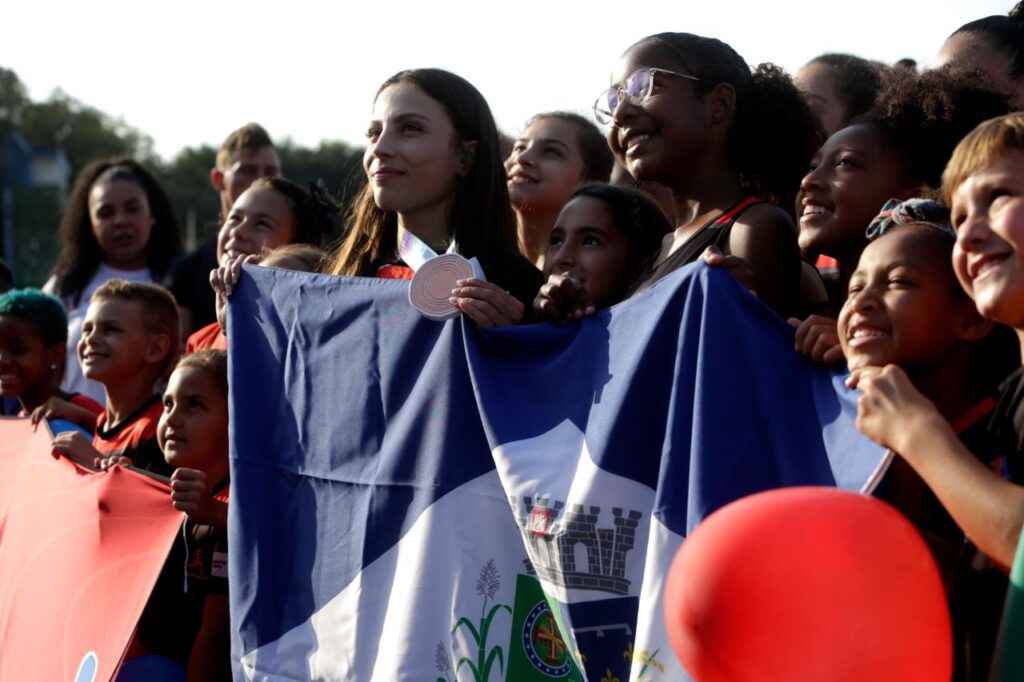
<point x="80" y="552"/>
<point x="415" y="499"/>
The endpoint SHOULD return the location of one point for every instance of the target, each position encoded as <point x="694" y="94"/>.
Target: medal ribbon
<point x="414" y="252"/>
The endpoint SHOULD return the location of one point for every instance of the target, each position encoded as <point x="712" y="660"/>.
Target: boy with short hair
<point x="245" y="155"/>
<point x="984" y="185"/>
<point x="130" y="338"/>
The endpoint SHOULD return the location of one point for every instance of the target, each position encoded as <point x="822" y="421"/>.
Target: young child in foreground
<point x="906" y="309"/>
<point x="600" y="241"/>
<point x="985" y="184"/>
<point x="129" y="340"/>
<point x="184" y="629"/>
<point x="33" y="338"/>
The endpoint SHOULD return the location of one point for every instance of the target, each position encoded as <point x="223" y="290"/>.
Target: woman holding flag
<point x="436" y="184"/>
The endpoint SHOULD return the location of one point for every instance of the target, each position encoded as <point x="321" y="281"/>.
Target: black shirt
<point x="189" y="282"/>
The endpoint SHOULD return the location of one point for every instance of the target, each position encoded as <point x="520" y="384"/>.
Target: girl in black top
<point x="687" y="112"/>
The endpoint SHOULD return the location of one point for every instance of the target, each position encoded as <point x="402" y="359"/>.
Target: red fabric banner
<point x="80" y="552"/>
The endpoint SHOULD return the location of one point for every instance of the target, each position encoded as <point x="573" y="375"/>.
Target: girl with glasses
<point x="556" y="152"/>
<point x="687" y="112"/>
<point x="435" y="173"/>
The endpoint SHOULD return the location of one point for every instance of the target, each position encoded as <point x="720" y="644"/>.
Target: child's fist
<point x="563" y="299"/>
<point x="75" y="446"/>
<point x="103" y="463"/>
<point x="190" y="493"/>
<point x="817" y="338"/>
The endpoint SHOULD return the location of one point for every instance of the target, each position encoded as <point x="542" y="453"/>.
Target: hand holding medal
<point x="430" y="291"/>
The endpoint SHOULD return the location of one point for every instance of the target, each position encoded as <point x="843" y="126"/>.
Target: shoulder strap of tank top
<point x="984" y="408"/>
<point x="734" y="212"/>
<point x="727" y="219"/>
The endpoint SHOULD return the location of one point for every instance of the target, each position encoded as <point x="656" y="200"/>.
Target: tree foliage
<point x="86" y="133"/>
<point x="83" y="132"/>
<point x="186" y="179"/>
<point x="13" y="97"/>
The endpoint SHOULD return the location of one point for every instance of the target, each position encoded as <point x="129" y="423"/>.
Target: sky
<point x="187" y="72"/>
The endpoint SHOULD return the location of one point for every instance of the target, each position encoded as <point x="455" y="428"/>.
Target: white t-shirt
<point x="74" y="382"/>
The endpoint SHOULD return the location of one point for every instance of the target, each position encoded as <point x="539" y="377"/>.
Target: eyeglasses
<point x="635" y="90"/>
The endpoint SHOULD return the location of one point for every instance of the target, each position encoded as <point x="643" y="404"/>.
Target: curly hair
<point x="774" y="132"/>
<point x="1004" y="34"/>
<point x="597" y="157"/>
<point x="81" y="254"/>
<point x="45" y="313"/>
<point x="924" y="116"/>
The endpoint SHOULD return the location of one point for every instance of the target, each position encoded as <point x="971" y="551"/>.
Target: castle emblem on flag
<point x="575" y="552"/>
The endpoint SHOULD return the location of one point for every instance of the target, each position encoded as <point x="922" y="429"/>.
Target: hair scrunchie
<point x="911" y="212"/>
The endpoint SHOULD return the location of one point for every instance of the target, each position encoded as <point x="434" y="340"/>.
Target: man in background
<point x="247" y="154"/>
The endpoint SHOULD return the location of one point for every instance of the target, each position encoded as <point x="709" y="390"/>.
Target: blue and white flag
<point x="424" y="500"/>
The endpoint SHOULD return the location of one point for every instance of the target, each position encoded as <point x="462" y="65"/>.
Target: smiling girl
<point x="897" y="150"/>
<point x="687" y="112"/>
<point x="556" y="152"/>
<point x="271" y="213"/>
<point x="118" y="224"/>
<point x="33" y="335"/>
<point x="436" y="183"/>
<point x="907" y="309"/>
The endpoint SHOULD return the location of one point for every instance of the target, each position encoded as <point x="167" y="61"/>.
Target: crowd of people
<point x="880" y="208"/>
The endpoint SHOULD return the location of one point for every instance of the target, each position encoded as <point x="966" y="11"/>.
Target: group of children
<point x="159" y="412"/>
<point x="881" y="210"/>
<point x="129" y="344"/>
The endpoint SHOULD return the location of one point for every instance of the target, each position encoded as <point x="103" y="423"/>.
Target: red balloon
<point x="814" y="584"/>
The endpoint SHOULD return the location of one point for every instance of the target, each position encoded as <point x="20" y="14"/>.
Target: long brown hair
<point x="480" y="215"/>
